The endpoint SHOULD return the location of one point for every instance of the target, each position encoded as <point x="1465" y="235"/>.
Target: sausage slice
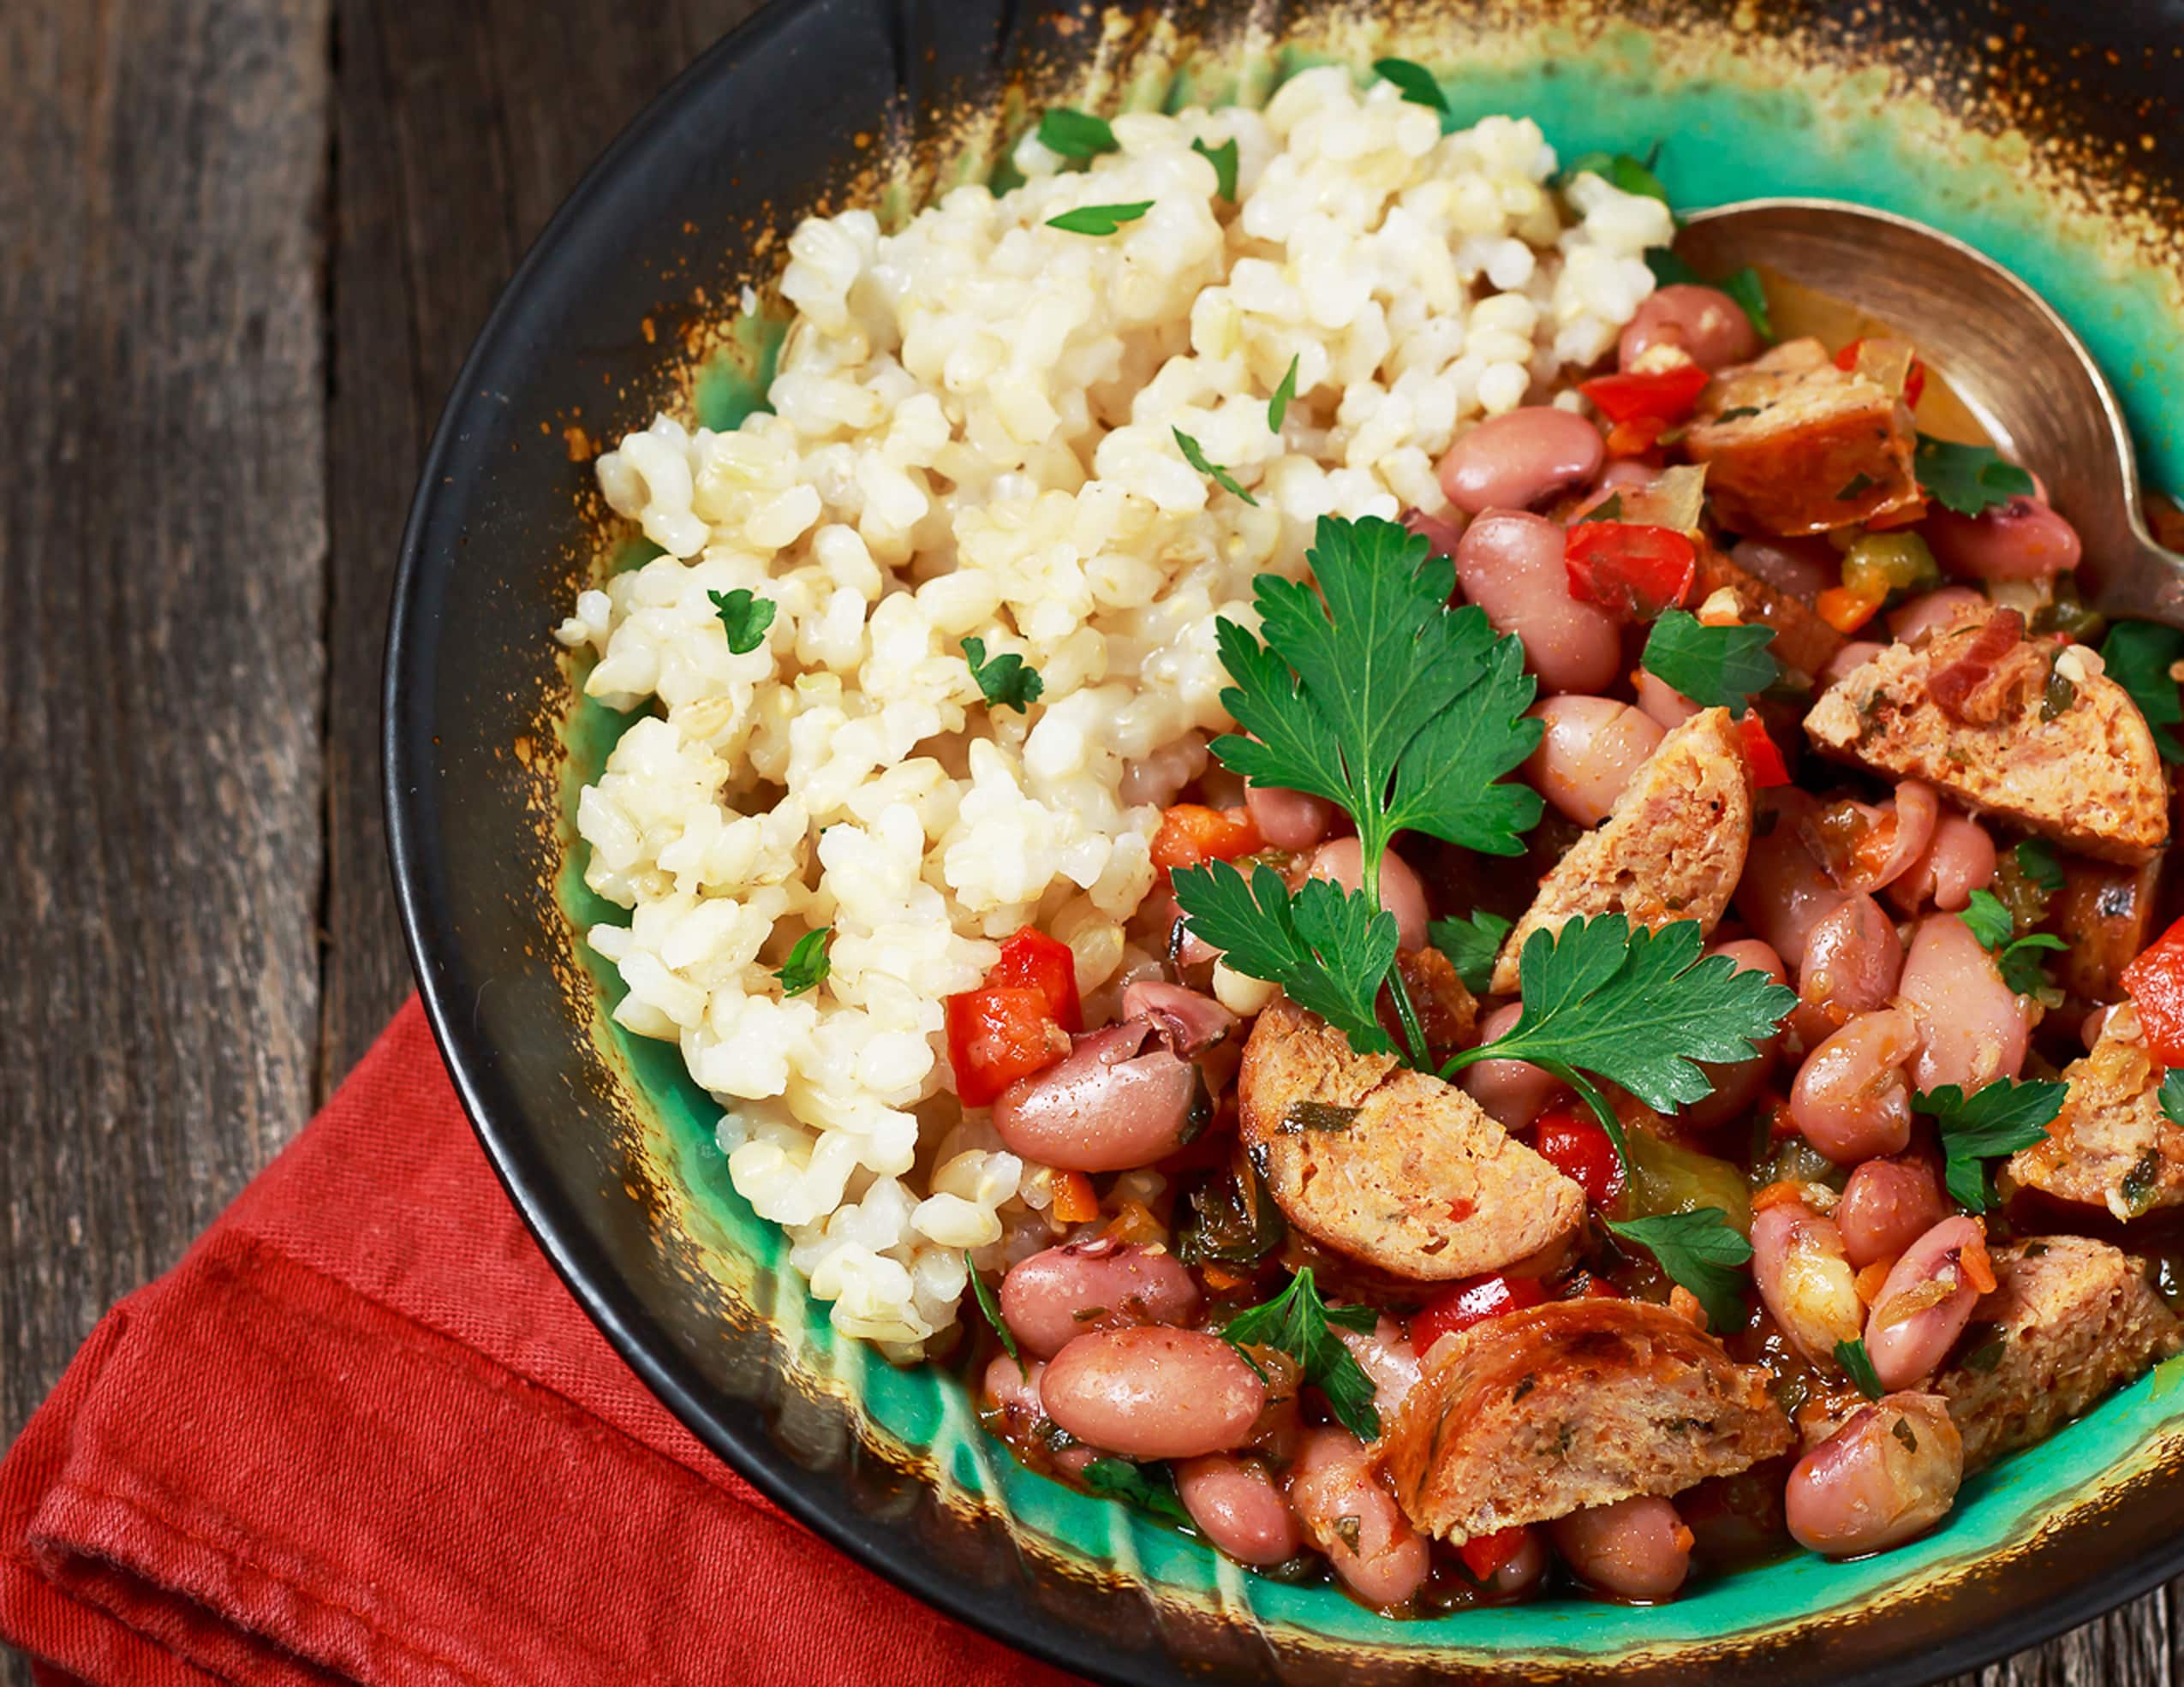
<point x="2074" y="761"/>
<point x="1671" y="849"/>
<point x="1391" y="1166"/>
<point x="1802" y="640"/>
<point x="1536" y="1415"/>
<point x="2069" y="1320"/>
<point x="2111" y="1145"/>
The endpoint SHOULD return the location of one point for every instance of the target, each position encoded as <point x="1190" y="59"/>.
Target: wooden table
<point x="243" y="247"/>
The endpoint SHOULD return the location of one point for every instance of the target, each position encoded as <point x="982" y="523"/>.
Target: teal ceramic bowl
<point x="2052" y="145"/>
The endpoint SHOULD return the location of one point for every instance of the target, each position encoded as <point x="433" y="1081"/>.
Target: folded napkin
<point x="362" y="1434"/>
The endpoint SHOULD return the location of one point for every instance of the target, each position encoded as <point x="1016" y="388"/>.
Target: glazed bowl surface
<point x="2052" y="138"/>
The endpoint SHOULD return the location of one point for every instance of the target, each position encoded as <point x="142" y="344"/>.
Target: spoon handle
<point x="2144" y="582"/>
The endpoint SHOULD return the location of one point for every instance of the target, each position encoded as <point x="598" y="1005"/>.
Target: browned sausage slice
<point x="2069" y="1320"/>
<point x="1802" y="640"/>
<point x="1392" y="1167"/>
<point x="1793" y="445"/>
<point x="1671" y="849"/>
<point x="2111" y="1145"/>
<point x="1536" y="1415"/>
<point x="2074" y="762"/>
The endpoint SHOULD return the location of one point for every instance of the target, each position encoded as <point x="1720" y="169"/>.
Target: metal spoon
<point x="2018" y="366"/>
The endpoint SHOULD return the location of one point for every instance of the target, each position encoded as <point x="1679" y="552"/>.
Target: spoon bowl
<point x="2020" y="369"/>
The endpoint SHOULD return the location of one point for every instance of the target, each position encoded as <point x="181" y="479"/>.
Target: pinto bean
<point x="1635" y="1548"/>
<point x="1854" y="655"/>
<point x="1590" y="747"/>
<point x="1238" y="1507"/>
<point x="1514" y="1092"/>
<point x="1510" y="564"/>
<point x="1851" y="1100"/>
<point x="1341" y="859"/>
<point x="1799" y="1262"/>
<point x="1153" y="1392"/>
<point x="1187" y="1021"/>
<point x="1442" y="532"/>
<point x="1889" y="1474"/>
<point x="1523" y="1569"/>
<point x="1289" y="819"/>
<point x="1663" y="705"/>
<point x="1703" y="322"/>
<point x="2021" y="539"/>
<point x="1014" y="1390"/>
<point x="1105" y="1106"/>
<point x="1520" y="458"/>
<point x="1975" y="1028"/>
<point x="1055" y="1297"/>
<point x="1785" y="890"/>
<point x="1930" y="612"/>
<point x="1803" y="568"/>
<point x="1738" y="1085"/>
<point x="1887" y="1205"/>
<point x="1340" y="1500"/>
<point x="1386" y="1356"/>
<point x="1958" y="860"/>
<point x="1852" y="959"/>
<point x="1908" y="1339"/>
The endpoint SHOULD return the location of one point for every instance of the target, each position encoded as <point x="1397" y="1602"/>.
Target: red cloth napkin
<point x="362" y="1434"/>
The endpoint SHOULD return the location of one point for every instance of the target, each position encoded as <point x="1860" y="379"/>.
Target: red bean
<point x="1664" y="705"/>
<point x="1933" y="611"/>
<point x="1342" y="859"/>
<point x="1153" y="1392"/>
<point x="1340" y="1500"/>
<point x="1887" y="1205"/>
<point x="1804" y="568"/>
<point x="1975" y="1027"/>
<point x="1386" y="1356"/>
<point x="1737" y="1086"/>
<point x="1289" y="819"/>
<point x="1523" y="1570"/>
<point x="1590" y="749"/>
<point x="1703" y="321"/>
<point x="1851" y="657"/>
<point x="1959" y="859"/>
<point x="1237" y="1507"/>
<point x="1785" y="890"/>
<point x="1850" y="1100"/>
<point x="1052" y="1297"/>
<point x="1799" y="1266"/>
<point x="1853" y="958"/>
<point x="1014" y="1390"/>
<point x="1520" y="458"/>
<point x="1511" y="566"/>
<point x="1908" y="1339"/>
<point x="1514" y="1092"/>
<point x="1442" y="532"/>
<point x="1105" y="1106"/>
<point x="1889" y="1474"/>
<point x="1187" y="1021"/>
<point x="1635" y="1548"/>
<point x="2021" y="539"/>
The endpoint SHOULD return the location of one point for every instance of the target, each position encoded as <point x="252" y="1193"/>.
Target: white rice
<point x="971" y="435"/>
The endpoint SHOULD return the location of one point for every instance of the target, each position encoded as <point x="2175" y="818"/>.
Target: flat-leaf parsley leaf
<point x="1704" y="1252"/>
<point x="1996" y="1119"/>
<point x="1195" y="454"/>
<point x="1278" y="406"/>
<point x="744" y="618"/>
<point x="1967" y="479"/>
<point x="1223" y="159"/>
<point x="1714" y="666"/>
<point x="1620" y="169"/>
<point x="2017" y="960"/>
<point x="1076" y="135"/>
<point x="1147" y="1487"/>
<point x="1300" y="1323"/>
<point x="807" y="962"/>
<point x="2037" y="866"/>
<point x="1099" y="219"/>
<point x="2138" y="656"/>
<point x="982" y="1291"/>
<point x="1328" y="948"/>
<point x="1470" y="944"/>
<point x="1416" y="81"/>
<point x="1006" y="682"/>
<point x="2172" y="1095"/>
<point x="1858" y="1366"/>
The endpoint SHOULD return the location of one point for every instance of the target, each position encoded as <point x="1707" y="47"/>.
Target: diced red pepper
<point x="997" y="1036"/>
<point x="1665" y="396"/>
<point x="1190" y="833"/>
<point x="1914" y="379"/>
<point x="1033" y="961"/>
<point x="1473" y="1300"/>
<point x="1483" y="1554"/>
<point x="1576" y="1145"/>
<point x="1760" y="753"/>
<point x="1631" y="570"/>
<point x="2155" y="983"/>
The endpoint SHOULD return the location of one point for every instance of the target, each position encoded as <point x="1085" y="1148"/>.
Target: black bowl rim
<point x="425" y="907"/>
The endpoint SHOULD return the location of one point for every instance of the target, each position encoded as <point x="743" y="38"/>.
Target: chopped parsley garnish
<point x="1858" y="1366"/>
<point x="1714" y="666"/>
<point x="1995" y="1121"/>
<point x="1967" y="479"/>
<point x="1744" y="287"/>
<point x="1470" y="944"/>
<point x="1150" y="1487"/>
<point x="2037" y="866"/>
<point x="1195" y="454"/>
<point x="1223" y="159"/>
<point x="1006" y="682"/>
<point x="744" y="618"/>
<point x="1099" y="219"/>
<point x="992" y="1308"/>
<point x="1620" y="169"/>
<point x="1278" y="406"/>
<point x="2138" y="656"/>
<point x="1415" y="81"/>
<point x="1703" y="1251"/>
<point x="2018" y="959"/>
<point x="1076" y="135"/>
<point x="1300" y="1323"/>
<point x="2172" y="1095"/>
<point x="807" y="962"/>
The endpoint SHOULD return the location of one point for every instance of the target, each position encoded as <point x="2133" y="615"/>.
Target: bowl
<point x="2052" y="142"/>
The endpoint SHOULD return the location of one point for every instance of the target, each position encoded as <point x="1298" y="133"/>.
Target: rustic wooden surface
<point x="243" y="245"/>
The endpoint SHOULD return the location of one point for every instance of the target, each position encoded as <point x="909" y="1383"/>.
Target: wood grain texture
<point x="244" y="244"/>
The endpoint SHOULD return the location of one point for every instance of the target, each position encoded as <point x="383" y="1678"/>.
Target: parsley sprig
<point x="1858" y="1366"/>
<point x="744" y="616"/>
<point x="1302" y="1324"/>
<point x="1702" y="1250"/>
<point x="2138" y="656"/>
<point x="1996" y="1120"/>
<point x="1008" y="682"/>
<point x="1967" y="479"/>
<point x="2171" y="1094"/>
<point x="2037" y="866"/>
<point x="1328" y="949"/>
<point x="1470" y="944"/>
<point x="2018" y="958"/>
<point x="1150" y="1487"/>
<point x="1714" y="666"/>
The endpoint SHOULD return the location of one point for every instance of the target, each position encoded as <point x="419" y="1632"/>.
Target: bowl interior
<point x="607" y="1144"/>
